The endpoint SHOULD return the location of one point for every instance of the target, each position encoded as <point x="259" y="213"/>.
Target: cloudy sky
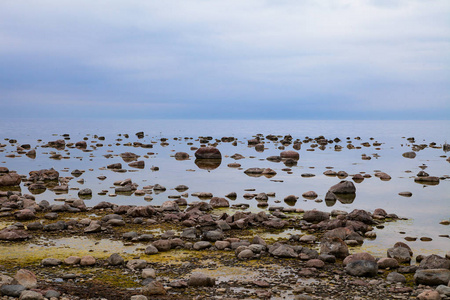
<point x="286" y="59"/>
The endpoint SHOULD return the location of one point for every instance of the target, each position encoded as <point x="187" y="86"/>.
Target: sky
<point x="225" y="59"/>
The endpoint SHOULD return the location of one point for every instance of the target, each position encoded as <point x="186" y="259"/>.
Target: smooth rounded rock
<point x="360" y="268"/>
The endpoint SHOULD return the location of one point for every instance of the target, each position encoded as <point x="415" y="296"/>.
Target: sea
<point x="376" y="146"/>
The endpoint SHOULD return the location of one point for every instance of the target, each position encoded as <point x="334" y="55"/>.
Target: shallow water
<point x="425" y="209"/>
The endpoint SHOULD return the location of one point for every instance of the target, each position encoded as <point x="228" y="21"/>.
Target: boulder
<point x="26" y="278"/>
<point x="25" y="214"/>
<point x="150" y="250"/>
<point x="136" y="264"/>
<point x="10" y="179"/>
<point x="87" y="260"/>
<point x="115" y="260"/>
<point x="401" y="254"/>
<point x="201" y="279"/>
<point x="13" y="235"/>
<point x="396" y="277"/>
<point x="360" y="215"/>
<point x="343" y="187"/>
<point x="434" y="262"/>
<point x="13" y="290"/>
<point x="170" y="206"/>
<point x="162" y="245"/>
<point x="216" y="202"/>
<point x="432" y="276"/>
<point x="386" y="262"/>
<point x="315" y="216"/>
<point x="51" y="262"/>
<point x="72" y="260"/>
<point x="44" y="175"/>
<point x="429" y="295"/>
<point x="246" y="254"/>
<point x="208" y="153"/>
<point x="358" y="256"/>
<point x="334" y="246"/>
<point x="282" y="250"/>
<point x="153" y="288"/>
<point x="360" y="268"/>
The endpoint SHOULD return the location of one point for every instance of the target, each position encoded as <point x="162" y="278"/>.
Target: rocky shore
<point x="209" y="248"/>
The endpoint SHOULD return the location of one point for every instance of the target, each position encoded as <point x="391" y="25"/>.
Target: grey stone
<point x="246" y="254"/>
<point x="151" y="250"/>
<point x="31" y="295"/>
<point x="12" y="290"/>
<point x="364" y="268"/>
<point x="443" y="290"/>
<point x="153" y="288"/>
<point x="396" y="277"/>
<point x="201" y="279"/>
<point x="115" y="260"/>
<point x="343" y="187"/>
<point x="214" y="235"/>
<point x="334" y="246"/>
<point x="434" y="262"/>
<point x="52" y="294"/>
<point x="202" y="245"/>
<point x="432" y="276"/>
<point x="50" y="262"/>
<point x="136" y="264"/>
<point x="401" y="254"/>
<point x="282" y="250"/>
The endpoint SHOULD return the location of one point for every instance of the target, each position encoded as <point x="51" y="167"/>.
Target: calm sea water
<point x="428" y="206"/>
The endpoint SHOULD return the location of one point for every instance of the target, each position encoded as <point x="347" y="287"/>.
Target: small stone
<point x="154" y="288"/>
<point x="201" y="279"/>
<point x="396" y="277"/>
<point x="87" y="260"/>
<point x="429" y="295"/>
<point x="138" y="297"/>
<point x="51" y="262"/>
<point x="31" y="295"/>
<point x="148" y="273"/>
<point x="115" y="259"/>
<point x="135" y="264"/>
<point x="72" y="260"/>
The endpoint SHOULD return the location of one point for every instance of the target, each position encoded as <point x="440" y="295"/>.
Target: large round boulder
<point x="208" y="153"/>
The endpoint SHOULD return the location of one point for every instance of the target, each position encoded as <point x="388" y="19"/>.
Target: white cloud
<point x="370" y="50"/>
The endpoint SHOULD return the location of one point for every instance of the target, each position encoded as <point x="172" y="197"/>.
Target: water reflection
<point x="208" y="164"/>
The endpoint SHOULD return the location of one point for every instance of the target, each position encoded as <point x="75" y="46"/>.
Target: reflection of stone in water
<point x="346" y="198"/>
<point x="10" y="188"/>
<point x="290" y="202"/>
<point x="208" y="164"/>
<point x="85" y="197"/>
<point x="330" y="202"/>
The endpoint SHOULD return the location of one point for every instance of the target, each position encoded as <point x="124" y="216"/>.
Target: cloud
<point x="325" y="55"/>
